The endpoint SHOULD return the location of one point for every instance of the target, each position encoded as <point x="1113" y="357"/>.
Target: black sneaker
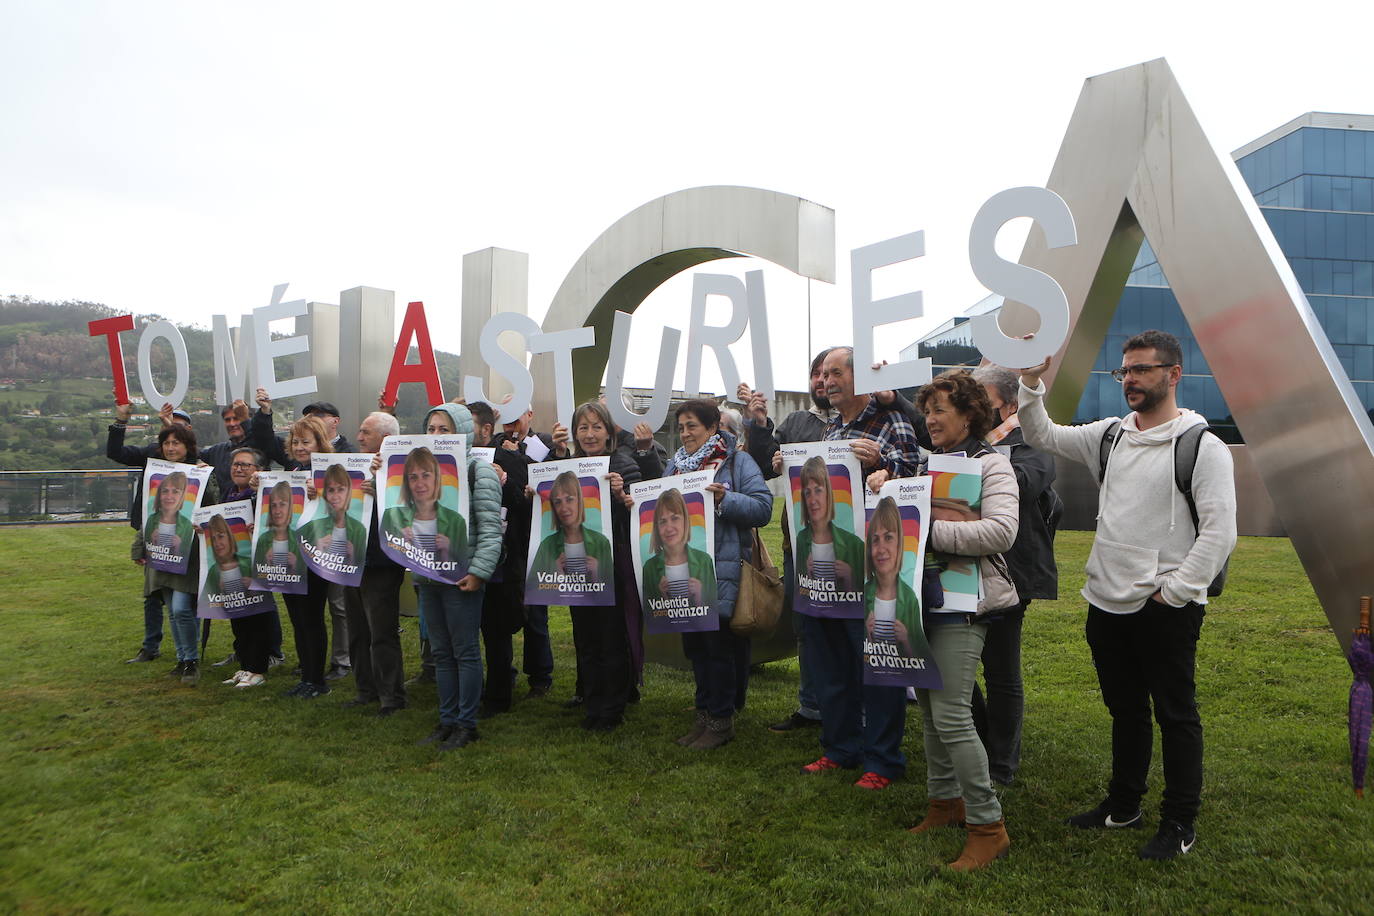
<point x="144" y="656"/>
<point x="1103" y="817"/>
<point x="310" y="691"/>
<point x="573" y="702"/>
<point x="460" y="737"/>
<point x="295" y="691"/>
<point x="190" y="673"/>
<point x="537" y="690"/>
<point x="438" y="736"/>
<point x="793" y="722"/>
<point x="1172" y="839"/>
<point x="179" y="670"/>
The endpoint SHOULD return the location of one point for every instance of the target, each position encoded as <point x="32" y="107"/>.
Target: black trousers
<point x="307" y="620"/>
<point x="603" y="659"/>
<point x="374" y="645"/>
<point x="998" y="718"/>
<point x="253" y="640"/>
<point x="503" y="611"/>
<point x="1142" y="659"/>
<point x="721" y="668"/>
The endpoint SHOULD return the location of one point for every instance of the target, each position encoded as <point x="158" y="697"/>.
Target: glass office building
<point x="1313" y="179"/>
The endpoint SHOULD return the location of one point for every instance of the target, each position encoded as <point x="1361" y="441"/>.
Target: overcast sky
<point x="183" y="158"/>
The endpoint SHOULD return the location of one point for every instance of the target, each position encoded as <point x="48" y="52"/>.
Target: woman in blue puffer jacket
<point x="720" y="659"/>
<point x="453" y="613"/>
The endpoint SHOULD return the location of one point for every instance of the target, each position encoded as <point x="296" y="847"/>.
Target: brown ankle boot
<point x="944" y="812"/>
<point x="717" y="732"/>
<point x="986" y="842"/>
<point x="698" y="728"/>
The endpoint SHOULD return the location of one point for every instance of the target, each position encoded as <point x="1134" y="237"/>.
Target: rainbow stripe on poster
<point x="949" y="485"/>
<point x="239" y="527"/>
<point x="696" y="514"/>
<point x="839" y="485"/>
<point x="396" y="473"/>
<point x="188" y="499"/>
<point x="911" y="529"/>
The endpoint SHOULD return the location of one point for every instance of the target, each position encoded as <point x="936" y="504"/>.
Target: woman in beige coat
<point x="958" y="416"/>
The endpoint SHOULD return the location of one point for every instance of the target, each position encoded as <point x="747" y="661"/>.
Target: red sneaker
<point x="821" y="766"/>
<point x="873" y="781"/>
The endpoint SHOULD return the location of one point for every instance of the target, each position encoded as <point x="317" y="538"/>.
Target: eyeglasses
<point x="1138" y="370"/>
<point x="244" y="466"/>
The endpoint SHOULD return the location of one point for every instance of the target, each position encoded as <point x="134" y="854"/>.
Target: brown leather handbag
<point x="759" y="604"/>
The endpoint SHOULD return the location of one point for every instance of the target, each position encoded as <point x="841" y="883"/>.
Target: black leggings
<point x="253" y="640"/>
<point x="307" y="619"/>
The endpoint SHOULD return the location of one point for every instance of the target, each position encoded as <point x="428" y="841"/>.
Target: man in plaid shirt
<point x="859" y="725"/>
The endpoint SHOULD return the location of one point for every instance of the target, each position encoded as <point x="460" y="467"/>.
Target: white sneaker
<point x="252" y="680"/>
<point x="238" y="676"/>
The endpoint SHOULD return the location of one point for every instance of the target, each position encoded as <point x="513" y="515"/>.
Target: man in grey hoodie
<point x="1147" y="579"/>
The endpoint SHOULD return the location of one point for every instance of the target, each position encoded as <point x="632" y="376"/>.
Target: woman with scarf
<point x="720" y="659"/>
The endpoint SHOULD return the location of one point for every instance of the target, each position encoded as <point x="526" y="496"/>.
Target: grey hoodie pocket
<point x="1121" y="573"/>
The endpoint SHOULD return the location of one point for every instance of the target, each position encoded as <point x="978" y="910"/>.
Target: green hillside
<point x="56" y="394"/>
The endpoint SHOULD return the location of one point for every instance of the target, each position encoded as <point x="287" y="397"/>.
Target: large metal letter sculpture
<point x="1135" y="160"/>
<point x="652" y="243"/>
<point x="665" y="237"/>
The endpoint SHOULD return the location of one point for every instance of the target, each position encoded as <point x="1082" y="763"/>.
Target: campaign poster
<point x="956" y="495"/>
<point x="278" y="565"/>
<point x="423" y="485"/>
<point x="674" y="550"/>
<point x="334" y="536"/>
<point x="826" y="512"/>
<point x="226" y="563"/>
<point x="896" y="653"/>
<point x="570" y="559"/>
<point x="171" y="494"/>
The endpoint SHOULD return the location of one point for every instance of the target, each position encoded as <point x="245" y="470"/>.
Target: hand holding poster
<point x="674" y="552"/>
<point x="334" y="540"/>
<point x="423" y="485"/>
<point x="226" y="552"/>
<point x="896" y="653"/>
<point x="570" y="535"/>
<point x="827" y="525"/>
<point x="956" y="494"/>
<point x="277" y="562"/>
<point x="171" y="493"/>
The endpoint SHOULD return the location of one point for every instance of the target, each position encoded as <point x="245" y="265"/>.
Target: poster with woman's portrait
<point x="423" y="486"/>
<point x="334" y="534"/>
<point x="896" y="653"/>
<point x="956" y="495"/>
<point x="278" y="565"/>
<point x="171" y="494"/>
<point x="673" y="542"/>
<point x="226" y="562"/>
<point x="570" y="559"/>
<point x="825" y="510"/>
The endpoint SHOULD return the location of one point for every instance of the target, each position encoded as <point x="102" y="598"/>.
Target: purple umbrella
<point x="1361" y="659"/>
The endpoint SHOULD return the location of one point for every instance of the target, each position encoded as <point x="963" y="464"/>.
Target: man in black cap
<point x="330" y="415"/>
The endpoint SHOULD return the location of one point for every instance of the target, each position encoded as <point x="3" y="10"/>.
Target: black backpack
<point x="1185" y="460"/>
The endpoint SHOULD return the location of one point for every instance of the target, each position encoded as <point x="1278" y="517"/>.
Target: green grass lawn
<point x="125" y="792"/>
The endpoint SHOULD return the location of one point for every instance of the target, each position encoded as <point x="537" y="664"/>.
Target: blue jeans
<point x="860" y="725"/>
<point x="152" y="622"/>
<point x="807" y="704"/>
<point x="454" y="619"/>
<point x="538" y="648"/>
<point x="185" y="633"/>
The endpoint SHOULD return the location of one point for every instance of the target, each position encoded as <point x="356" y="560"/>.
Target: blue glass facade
<point x="1315" y="188"/>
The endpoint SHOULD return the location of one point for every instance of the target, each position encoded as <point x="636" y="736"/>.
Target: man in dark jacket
<point x="763" y="442"/>
<point x="235" y="418"/>
<point x="503" y="607"/>
<point x="374" y="605"/>
<point x="1031" y="560"/>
